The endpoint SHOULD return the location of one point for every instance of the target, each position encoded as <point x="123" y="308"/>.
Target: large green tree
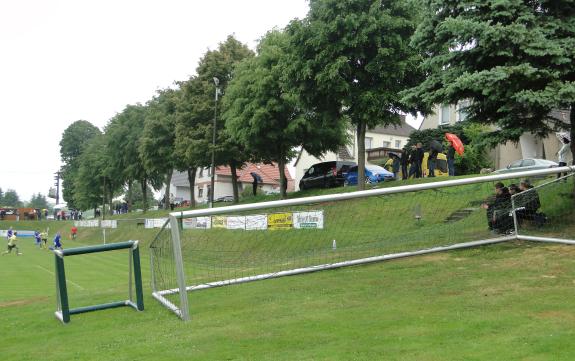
<point x="195" y="121"/>
<point x="157" y="145"/>
<point x="73" y="142"/>
<point x="514" y="61"/>
<point x="124" y="134"/>
<point x="11" y="199"/>
<point x="95" y="181"/>
<point x="266" y="118"/>
<point x="38" y="201"/>
<point x="351" y="58"/>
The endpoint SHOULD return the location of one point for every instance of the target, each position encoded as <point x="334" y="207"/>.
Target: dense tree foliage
<point x="11" y="199"/>
<point x="72" y="145"/>
<point x="38" y="201"/>
<point x="351" y="58"/>
<point x="266" y="118"/>
<point x="157" y="143"/>
<point x="512" y="59"/>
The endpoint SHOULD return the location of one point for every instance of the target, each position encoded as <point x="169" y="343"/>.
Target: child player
<point x="38" y="239"/>
<point x="57" y="244"/>
<point x="44" y="237"/>
<point x="12" y="244"/>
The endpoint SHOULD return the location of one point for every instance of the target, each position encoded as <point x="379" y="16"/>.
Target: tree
<point x="94" y="181"/>
<point x="351" y="58"/>
<point x="512" y="59"/>
<point x="123" y="134"/>
<point x="157" y="145"/>
<point x="1" y="196"/>
<point x="266" y="118"/>
<point x="11" y="199"/>
<point x="38" y="201"/>
<point x="72" y="144"/>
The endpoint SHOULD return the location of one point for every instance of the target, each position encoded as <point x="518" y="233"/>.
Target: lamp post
<point x="213" y="172"/>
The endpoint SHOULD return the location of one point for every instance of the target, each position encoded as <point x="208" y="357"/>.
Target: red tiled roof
<point x="269" y="172"/>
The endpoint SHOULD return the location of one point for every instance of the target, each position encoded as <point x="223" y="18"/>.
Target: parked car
<point x="325" y="175"/>
<point x="224" y="199"/>
<point x="523" y="165"/>
<point x="373" y="174"/>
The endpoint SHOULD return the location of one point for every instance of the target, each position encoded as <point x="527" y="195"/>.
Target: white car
<point x="523" y="165"/>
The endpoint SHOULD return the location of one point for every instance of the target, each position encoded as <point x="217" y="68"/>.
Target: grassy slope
<point x="501" y="302"/>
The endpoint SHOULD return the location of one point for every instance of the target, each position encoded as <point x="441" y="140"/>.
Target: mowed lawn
<point x="513" y="301"/>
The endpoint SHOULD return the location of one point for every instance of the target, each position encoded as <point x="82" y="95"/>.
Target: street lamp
<point x="213" y="172"/>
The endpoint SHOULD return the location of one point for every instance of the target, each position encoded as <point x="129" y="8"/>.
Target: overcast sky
<point x="62" y="61"/>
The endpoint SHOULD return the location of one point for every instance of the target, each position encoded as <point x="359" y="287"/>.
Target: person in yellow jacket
<point x="12" y="244"/>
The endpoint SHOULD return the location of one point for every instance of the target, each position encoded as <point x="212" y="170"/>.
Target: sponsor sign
<point x="93" y="223"/>
<point x="156" y="223"/>
<point x="219" y="222"/>
<point x="313" y="219"/>
<point x="257" y="222"/>
<point x="110" y="223"/>
<point x="280" y="221"/>
<point x="236" y="222"/>
<point x="197" y="223"/>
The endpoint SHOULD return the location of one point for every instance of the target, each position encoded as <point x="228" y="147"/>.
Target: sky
<point x="64" y="61"/>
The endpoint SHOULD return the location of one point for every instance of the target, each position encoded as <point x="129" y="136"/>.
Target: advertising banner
<point x="156" y="223"/>
<point x="219" y="222"/>
<point x="313" y="219"/>
<point x="256" y="222"/>
<point x="197" y="223"/>
<point x="93" y="223"/>
<point x="236" y="222"/>
<point x="110" y="223"/>
<point x="280" y="221"/>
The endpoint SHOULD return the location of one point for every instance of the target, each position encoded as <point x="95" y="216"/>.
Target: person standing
<point x="562" y="155"/>
<point x="172" y="201"/>
<point x="395" y="165"/>
<point x="404" y="161"/>
<point x="38" y="239"/>
<point x="419" y="154"/>
<point x="451" y="160"/>
<point x="12" y="244"/>
<point x="256" y="179"/>
<point x="44" y="238"/>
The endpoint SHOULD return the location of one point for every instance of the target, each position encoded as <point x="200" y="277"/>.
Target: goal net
<point x="221" y="246"/>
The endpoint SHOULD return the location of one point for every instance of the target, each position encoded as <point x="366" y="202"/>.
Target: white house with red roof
<point x="269" y="174"/>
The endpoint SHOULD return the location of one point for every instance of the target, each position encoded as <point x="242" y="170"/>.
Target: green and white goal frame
<point x="64" y="312"/>
<point x="173" y="227"/>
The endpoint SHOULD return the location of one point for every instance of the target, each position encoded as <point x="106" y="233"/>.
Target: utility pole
<point x="57" y="184"/>
<point x="213" y="169"/>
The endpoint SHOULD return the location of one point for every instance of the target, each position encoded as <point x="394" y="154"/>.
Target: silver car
<point x="523" y="165"/>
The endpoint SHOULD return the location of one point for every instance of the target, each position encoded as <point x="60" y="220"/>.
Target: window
<point x="398" y="144"/>
<point x="200" y="192"/>
<point x="444" y="114"/>
<point x="461" y="112"/>
<point x="528" y="163"/>
<point x="515" y="164"/>
<point x="386" y="144"/>
<point x="368" y="141"/>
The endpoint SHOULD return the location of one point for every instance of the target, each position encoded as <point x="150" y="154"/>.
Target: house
<point x="379" y="141"/>
<point x="529" y="146"/>
<point x="180" y="186"/>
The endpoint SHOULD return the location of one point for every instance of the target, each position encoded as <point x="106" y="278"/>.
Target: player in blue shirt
<point x="57" y="244"/>
<point x="37" y="238"/>
<point x="10" y="233"/>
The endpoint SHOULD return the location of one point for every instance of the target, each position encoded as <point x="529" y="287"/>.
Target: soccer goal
<point x="64" y="311"/>
<point x="215" y="247"/>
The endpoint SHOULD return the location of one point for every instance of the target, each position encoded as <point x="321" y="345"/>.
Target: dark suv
<point x="325" y="175"/>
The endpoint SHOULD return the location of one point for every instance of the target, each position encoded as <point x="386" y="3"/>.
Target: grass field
<point x="511" y="301"/>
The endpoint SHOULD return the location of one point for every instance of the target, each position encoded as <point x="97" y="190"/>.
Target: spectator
<point x="73" y="232"/>
<point x="172" y="201"/>
<point x="502" y="220"/>
<point x="489" y="205"/>
<point x="256" y="179"/>
<point x="419" y="160"/>
<point x="562" y="154"/>
<point x="451" y="160"/>
<point x="395" y="166"/>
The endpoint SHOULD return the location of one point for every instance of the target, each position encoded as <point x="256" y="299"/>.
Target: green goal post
<point x="64" y="312"/>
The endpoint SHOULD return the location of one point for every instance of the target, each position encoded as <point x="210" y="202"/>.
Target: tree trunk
<point x="104" y="199"/>
<point x="144" y="184"/>
<point x="130" y="201"/>
<point x="361" y="127"/>
<point x="233" y="165"/>
<point x="167" y="192"/>
<point x="282" y="167"/>
<point x="192" y="180"/>
<point x="111" y="197"/>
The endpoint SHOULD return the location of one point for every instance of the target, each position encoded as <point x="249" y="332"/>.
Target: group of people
<point x="411" y="162"/>
<point x="41" y="240"/>
<point x="500" y="209"/>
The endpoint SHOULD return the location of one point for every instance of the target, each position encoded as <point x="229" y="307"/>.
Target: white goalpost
<point x="222" y="246"/>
